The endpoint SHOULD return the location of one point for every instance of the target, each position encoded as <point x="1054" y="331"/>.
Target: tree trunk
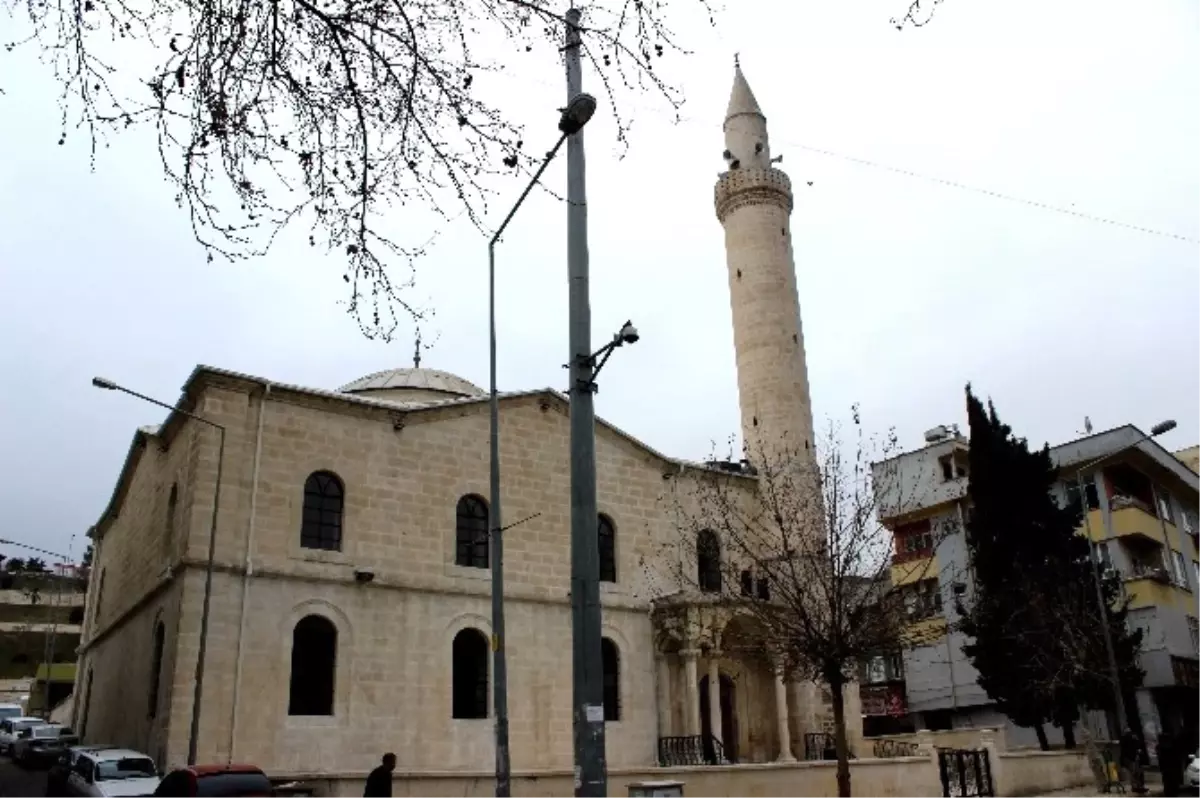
<point x="1041" y="735"/>
<point x="1068" y="728"/>
<point x="839" y="737"/>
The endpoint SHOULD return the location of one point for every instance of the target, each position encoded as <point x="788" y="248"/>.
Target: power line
<point x="906" y="172"/>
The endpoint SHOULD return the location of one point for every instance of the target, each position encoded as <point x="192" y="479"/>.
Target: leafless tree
<point x="918" y="14"/>
<point x="803" y="557"/>
<point x="333" y="114"/>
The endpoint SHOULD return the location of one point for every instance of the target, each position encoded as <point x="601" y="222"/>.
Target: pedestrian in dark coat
<point x="379" y="781"/>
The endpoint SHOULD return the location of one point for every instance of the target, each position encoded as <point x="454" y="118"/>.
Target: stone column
<point x="714" y="696"/>
<point x="691" y="692"/>
<point x="664" y="695"/>
<point x="781" y="718"/>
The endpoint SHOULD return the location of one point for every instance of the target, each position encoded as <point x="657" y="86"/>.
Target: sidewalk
<point x="1153" y="784"/>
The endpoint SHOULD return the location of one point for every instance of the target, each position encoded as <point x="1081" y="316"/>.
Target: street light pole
<point x="1114" y="673"/>
<point x="198" y="690"/>
<point x="574" y="116"/>
<point x="587" y="695"/>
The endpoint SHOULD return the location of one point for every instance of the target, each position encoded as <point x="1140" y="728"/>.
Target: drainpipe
<point x="247" y="572"/>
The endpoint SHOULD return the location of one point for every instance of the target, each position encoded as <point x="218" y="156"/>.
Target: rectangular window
<point x="1179" y="569"/>
<point x="1105" y="556"/>
<point x="1072" y="491"/>
<point x="1194" y="631"/>
<point x="1164" y="506"/>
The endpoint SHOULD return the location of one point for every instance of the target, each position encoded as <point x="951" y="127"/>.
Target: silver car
<point x="10" y="729"/>
<point x="113" y="772"/>
<point x="39" y="745"/>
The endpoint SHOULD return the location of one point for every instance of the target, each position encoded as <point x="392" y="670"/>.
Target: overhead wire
<point x="680" y="119"/>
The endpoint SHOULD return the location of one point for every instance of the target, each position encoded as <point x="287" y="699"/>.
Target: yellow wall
<point x="915" y="570"/>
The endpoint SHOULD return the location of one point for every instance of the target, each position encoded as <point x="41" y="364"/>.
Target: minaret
<point x="754" y="202"/>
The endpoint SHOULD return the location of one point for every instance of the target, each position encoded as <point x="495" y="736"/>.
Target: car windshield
<point x="10" y="712"/>
<point x="47" y="731"/>
<point x="128" y="768"/>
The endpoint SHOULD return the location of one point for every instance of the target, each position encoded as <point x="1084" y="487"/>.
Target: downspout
<point x="247" y="572"/>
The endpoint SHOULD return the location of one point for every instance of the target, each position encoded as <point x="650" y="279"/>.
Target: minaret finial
<point x="417" y="351"/>
<point x="737" y="61"/>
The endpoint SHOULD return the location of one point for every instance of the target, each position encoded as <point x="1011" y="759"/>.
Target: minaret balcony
<point x="752" y="186"/>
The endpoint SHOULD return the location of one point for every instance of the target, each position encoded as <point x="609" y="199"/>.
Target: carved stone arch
<point x="343" y="676"/>
<point x="467" y="620"/>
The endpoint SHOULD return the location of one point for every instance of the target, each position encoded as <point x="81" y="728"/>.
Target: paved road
<point x="15" y="780"/>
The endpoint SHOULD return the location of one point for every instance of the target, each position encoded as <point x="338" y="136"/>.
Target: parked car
<point x="1191" y="774"/>
<point x="113" y="772"/>
<point x="11" y="711"/>
<point x="56" y="776"/>
<point x="215" y="780"/>
<point x="11" y="727"/>
<point x="38" y="746"/>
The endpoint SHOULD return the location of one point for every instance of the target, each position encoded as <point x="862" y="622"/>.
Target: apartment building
<point x="41" y="616"/>
<point x="1142" y="513"/>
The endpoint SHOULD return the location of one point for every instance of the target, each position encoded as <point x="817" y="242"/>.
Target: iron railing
<point x="691" y="750"/>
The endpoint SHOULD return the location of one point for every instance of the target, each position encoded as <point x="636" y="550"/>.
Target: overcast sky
<point x="908" y="287"/>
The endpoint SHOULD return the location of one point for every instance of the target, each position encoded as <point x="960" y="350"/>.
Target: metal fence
<point x="965" y="772"/>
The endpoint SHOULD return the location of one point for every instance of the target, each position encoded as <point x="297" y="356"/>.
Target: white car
<point x="113" y="772"/>
<point x="1191" y="773"/>
<point x="11" y="711"/>
<point x="10" y="729"/>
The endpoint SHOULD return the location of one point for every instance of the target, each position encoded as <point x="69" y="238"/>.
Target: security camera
<point x="629" y="333"/>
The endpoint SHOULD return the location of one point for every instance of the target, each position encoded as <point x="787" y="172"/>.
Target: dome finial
<point x="417" y="351"/>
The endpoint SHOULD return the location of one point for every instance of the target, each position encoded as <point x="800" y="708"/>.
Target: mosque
<point x="350" y="602"/>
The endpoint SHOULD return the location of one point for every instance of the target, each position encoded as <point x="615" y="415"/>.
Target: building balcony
<point x="924" y="632"/>
<point x="1152" y="587"/>
<point x="907" y="571"/>
<point x="1130" y="521"/>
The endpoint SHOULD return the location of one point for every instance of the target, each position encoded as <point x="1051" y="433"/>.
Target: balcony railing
<point x="692" y="750"/>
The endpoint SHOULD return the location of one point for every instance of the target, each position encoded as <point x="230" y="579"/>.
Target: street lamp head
<point x="107" y="385"/>
<point x="1162" y="426"/>
<point x="628" y="334"/>
<point x="576" y="114"/>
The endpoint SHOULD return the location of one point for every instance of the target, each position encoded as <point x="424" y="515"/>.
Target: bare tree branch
<point x="335" y="114"/>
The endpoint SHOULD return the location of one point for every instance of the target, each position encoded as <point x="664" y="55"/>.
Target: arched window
<point x="169" y="527"/>
<point x="607" y="537"/>
<point x="708" y="561"/>
<point x="471" y="532"/>
<point x="610" y="659"/>
<point x="314" y="662"/>
<point x="469" y="666"/>
<point x="160" y="634"/>
<point x="322" y="524"/>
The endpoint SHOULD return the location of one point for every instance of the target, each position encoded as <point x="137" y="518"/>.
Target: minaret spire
<point x="754" y="203"/>
<point x="746" y="141"/>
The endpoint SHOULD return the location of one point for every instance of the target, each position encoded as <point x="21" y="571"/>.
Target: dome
<point x="412" y="385"/>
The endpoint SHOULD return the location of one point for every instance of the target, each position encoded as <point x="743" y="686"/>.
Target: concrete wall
<point x="880" y="777"/>
<point x="1013" y="774"/>
<point x="913" y="482"/>
<point x="1039" y="772"/>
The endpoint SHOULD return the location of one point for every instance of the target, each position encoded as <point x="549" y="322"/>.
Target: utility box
<point x="657" y="789"/>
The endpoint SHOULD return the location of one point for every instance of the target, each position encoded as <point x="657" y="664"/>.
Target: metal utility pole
<point x="1114" y="673"/>
<point x="587" y="692"/>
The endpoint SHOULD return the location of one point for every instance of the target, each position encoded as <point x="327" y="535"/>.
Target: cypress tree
<point x="1036" y="636"/>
